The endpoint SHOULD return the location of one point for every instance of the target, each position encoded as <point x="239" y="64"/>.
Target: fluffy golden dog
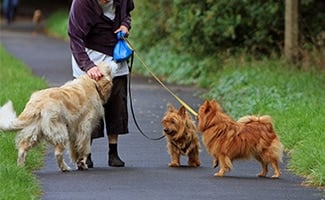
<point x="227" y="140"/>
<point x="62" y="116"/>
<point x="181" y="136"/>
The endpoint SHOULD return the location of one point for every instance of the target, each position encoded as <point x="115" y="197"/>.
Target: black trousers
<point x="116" y="111"/>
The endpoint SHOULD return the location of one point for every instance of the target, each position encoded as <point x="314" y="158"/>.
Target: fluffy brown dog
<point x="62" y="116"/>
<point x="181" y="136"/>
<point x="227" y="140"/>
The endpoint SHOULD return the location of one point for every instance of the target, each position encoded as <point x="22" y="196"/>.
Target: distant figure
<point x="10" y="8"/>
<point x="37" y="19"/>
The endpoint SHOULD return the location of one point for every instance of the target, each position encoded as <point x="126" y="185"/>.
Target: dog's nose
<point x="165" y="130"/>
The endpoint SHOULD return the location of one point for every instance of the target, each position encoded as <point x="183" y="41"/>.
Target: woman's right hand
<point x="94" y="73"/>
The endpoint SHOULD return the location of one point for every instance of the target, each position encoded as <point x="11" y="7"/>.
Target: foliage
<point x="57" y="24"/>
<point x="209" y="27"/>
<point x="150" y="26"/>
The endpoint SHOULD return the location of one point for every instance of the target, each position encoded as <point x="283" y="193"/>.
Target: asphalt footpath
<point x="146" y="175"/>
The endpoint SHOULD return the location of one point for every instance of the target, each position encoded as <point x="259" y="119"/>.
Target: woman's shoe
<point x="115" y="161"/>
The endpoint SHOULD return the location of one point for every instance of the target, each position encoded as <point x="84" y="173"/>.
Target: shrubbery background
<point x="210" y="28"/>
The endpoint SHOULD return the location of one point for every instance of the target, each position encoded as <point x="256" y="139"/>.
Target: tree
<point x="291" y="45"/>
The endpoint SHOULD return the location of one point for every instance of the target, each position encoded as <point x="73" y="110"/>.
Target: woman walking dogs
<point x="93" y="25"/>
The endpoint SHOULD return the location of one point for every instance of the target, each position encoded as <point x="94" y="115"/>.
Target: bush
<point x="209" y="27"/>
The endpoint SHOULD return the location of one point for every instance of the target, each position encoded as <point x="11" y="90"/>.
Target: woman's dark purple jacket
<point x="88" y="27"/>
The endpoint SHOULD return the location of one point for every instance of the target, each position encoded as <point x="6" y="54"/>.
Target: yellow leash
<point x="160" y="82"/>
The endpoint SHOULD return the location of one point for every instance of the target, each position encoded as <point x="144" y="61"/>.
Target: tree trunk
<point x="291" y="46"/>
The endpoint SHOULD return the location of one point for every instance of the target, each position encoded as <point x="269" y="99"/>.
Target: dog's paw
<point x="261" y="175"/>
<point x="173" y="164"/>
<point x="82" y="166"/>
<point x="219" y="174"/>
<point x="194" y="163"/>
<point x="276" y="176"/>
<point x="66" y="169"/>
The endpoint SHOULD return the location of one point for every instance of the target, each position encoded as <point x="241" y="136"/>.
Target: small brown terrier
<point x="227" y="140"/>
<point x="181" y="136"/>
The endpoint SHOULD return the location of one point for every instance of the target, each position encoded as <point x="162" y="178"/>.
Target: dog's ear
<point x="170" y="107"/>
<point x="206" y="103"/>
<point x="215" y="105"/>
<point x="182" y="111"/>
<point x="211" y="105"/>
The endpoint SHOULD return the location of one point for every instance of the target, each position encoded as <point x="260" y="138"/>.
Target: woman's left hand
<point x="123" y="29"/>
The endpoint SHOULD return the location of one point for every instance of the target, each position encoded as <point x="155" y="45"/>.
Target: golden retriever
<point x="227" y="140"/>
<point x="62" y="116"/>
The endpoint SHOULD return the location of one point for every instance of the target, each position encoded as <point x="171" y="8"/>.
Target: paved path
<point x="146" y="175"/>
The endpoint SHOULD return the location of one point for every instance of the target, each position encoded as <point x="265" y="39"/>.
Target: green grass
<point x="294" y="98"/>
<point x="57" y="24"/>
<point x="17" y="84"/>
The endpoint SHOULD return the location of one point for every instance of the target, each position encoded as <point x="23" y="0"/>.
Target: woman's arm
<point x="80" y="22"/>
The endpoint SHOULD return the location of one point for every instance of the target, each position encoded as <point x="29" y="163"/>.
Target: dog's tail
<point x="253" y="118"/>
<point x="8" y="118"/>
<point x="265" y="119"/>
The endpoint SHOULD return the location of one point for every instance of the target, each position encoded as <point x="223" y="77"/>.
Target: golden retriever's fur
<point x="227" y="140"/>
<point x="62" y="116"/>
<point x="181" y="136"/>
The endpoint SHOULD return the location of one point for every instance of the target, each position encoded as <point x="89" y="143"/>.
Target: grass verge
<point x="17" y="84"/>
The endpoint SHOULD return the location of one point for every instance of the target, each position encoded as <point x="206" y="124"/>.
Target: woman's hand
<point x="123" y="29"/>
<point x="94" y="73"/>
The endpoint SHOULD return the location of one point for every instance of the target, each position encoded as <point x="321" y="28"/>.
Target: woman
<point x="93" y="25"/>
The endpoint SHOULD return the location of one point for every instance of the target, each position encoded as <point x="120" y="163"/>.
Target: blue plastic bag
<point x="122" y="51"/>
